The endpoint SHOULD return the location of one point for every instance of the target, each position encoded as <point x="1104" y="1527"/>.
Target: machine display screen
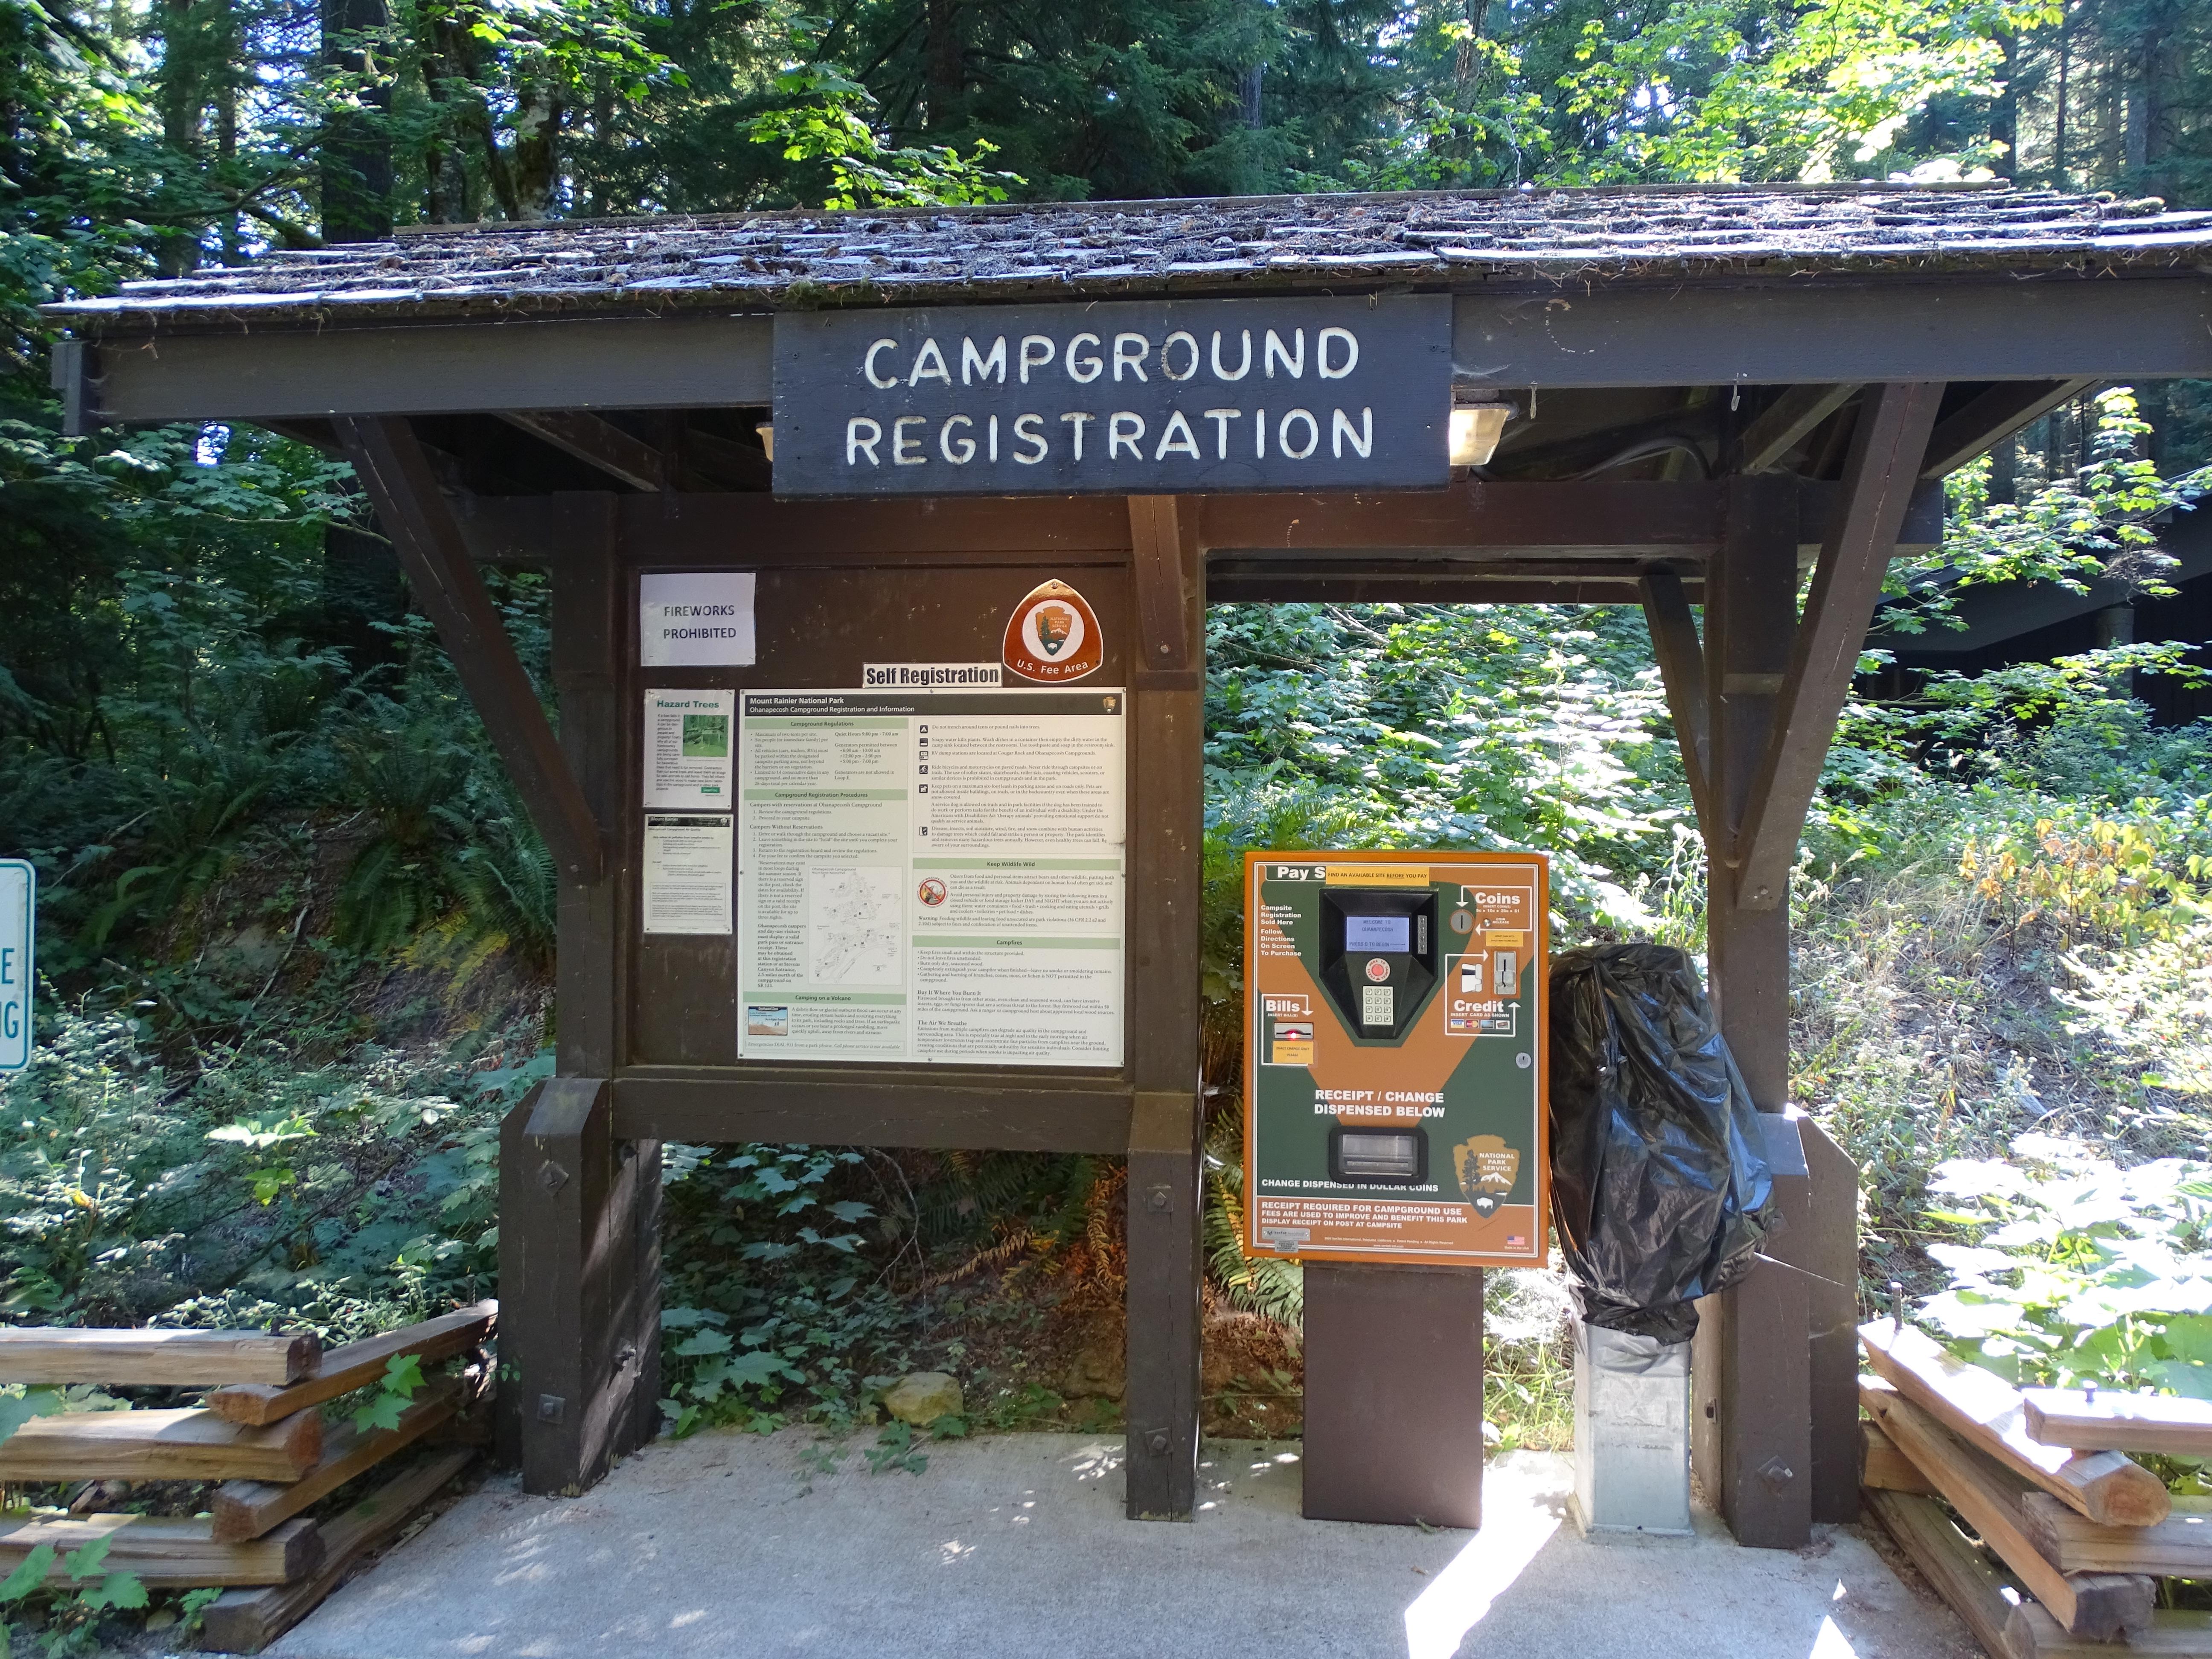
<point x="1378" y="933"/>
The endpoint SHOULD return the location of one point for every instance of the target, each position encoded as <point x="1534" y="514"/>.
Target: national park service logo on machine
<point x="1054" y="636"/>
<point x="1487" y="1168"/>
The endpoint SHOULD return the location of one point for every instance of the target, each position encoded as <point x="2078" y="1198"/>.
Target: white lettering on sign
<point x="949" y="440"/>
<point x="1119" y="396"/>
<point x="695" y="616"/>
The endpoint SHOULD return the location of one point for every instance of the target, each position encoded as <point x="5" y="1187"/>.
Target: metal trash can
<point x="1632" y="1432"/>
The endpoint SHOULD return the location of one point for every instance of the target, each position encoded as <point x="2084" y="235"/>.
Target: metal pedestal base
<point x="1394" y="1395"/>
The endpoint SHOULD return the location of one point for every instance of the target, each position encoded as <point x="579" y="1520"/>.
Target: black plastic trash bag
<point x="1658" y="1186"/>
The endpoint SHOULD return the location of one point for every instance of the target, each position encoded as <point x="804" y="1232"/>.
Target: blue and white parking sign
<point x="19" y="908"/>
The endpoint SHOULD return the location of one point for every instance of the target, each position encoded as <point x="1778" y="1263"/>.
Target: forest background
<point x="296" y="935"/>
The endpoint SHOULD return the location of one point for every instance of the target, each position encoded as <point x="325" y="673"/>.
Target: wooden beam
<point x="1787" y="331"/>
<point x="905" y="1107"/>
<point x="2118" y="1422"/>
<point x="1598" y="513"/>
<point x="597" y="443"/>
<point x="356" y="1365"/>
<point x="1598" y="519"/>
<point x="1682" y="671"/>
<point x="1880" y="476"/>
<point x="163" y="1550"/>
<point x="432" y="552"/>
<point x="243" y="1621"/>
<point x="1157" y="537"/>
<point x="440" y="368"/>
<point x="1994" y="416"/>
<point x="190" y="1445"/>
<point x="247" y="1509"/>
<point x="1987" y="1496"/>
<point x="730" y="464"/>
<point x="1986" y="1411"/>
<point x="1694" y="427"/>
<point x="1885" y="1468"/>
<point x="2178" y="1547"/>
<point x="1969" y="1584"/>
<point x="159" y="1357"/>
<point x="2032" y="1633"/>
<point x="1785" y="424"/>
<point x="1793" y="331"/>
<point x="1275" y="585"/>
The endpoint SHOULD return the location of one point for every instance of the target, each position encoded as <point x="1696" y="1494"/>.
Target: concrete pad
<point x="730" y="1544"/>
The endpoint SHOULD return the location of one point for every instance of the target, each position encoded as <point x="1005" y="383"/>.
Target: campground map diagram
<point x="853" y="924"/>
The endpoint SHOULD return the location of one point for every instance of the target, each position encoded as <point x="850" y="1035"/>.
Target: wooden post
<point x="1751" y="615"/>
<point x="1751" y="1424"/>
<point x="1168" y="720"/>
<point x="592" y="628"/>
<point x="580" y="1224"/>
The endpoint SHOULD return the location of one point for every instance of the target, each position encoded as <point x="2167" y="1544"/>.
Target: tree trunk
<point x="2058" y="116"/>
<point x="2004" y="472"/>
<point x="2005" y="119"/>
<point x="191" y="62"/>
<point x="355" y="158"/>
<point x="535" y="155"/>
<point x="944" y="71"/>
<point x="448" y="64"/>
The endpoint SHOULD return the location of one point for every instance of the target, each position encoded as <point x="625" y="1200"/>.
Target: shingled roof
<point x="781" y="260"/>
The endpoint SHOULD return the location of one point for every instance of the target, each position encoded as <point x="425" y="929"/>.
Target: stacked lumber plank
<point x="258" y="1432"/>
<point x="2042" y="1481"/>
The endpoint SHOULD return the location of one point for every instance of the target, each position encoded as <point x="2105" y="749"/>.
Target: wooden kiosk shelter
<point x="1710" y="391"/>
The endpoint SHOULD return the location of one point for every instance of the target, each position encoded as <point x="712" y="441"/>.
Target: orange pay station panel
<point x="1395" y="1073"/>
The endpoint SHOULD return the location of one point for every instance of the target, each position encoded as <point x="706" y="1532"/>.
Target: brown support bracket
<point x="1880" y="475"/>
<point x="597" y="442"/>
<point x="1785" y="424"/>
<point x="1992" y="417"/>
<point x="1826" y="1247"/>
<point x="1750" y="1432"/>
<point x="399" y="484"/>
<point x="1682" y="671"/>
<point x="571" y="1364"/>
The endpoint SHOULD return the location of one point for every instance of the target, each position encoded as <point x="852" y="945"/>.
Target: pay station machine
<point x="1396" y="1114"/>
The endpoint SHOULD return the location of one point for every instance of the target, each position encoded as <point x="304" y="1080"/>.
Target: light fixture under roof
<point x="1475" y="429"/>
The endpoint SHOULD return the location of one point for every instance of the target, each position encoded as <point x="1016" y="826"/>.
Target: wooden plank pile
<point x="257" y="1431"/>
<point x="2042" y="1480"/>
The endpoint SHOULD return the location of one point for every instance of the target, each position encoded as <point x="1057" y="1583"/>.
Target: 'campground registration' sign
<point x="1135" y="397"/>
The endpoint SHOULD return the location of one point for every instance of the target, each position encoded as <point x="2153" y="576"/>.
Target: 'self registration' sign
<point x="1138" y="397"/>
